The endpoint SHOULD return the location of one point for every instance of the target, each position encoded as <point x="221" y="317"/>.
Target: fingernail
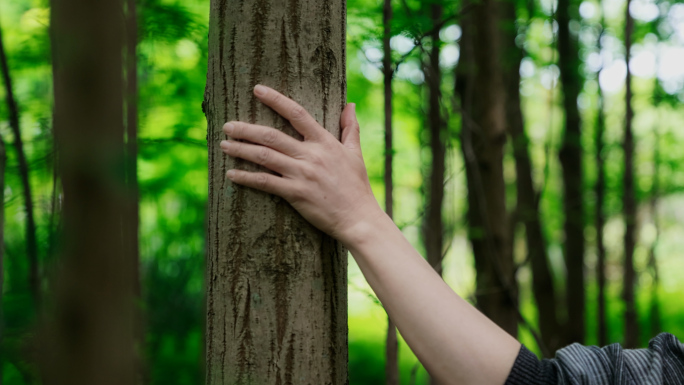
<point x="225" y="144"/>
<point x="260" y="90"/>
<point x="228" y="128"/>
<point x="230" y="174"/>
<point x="353" y="106"/>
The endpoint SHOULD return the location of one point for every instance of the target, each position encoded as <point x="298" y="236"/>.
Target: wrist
<point x="372" y="225"/>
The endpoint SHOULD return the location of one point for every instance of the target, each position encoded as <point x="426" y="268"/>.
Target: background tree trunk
<point x="391" y="342"/>
<point x="629" y="201"/>
<point x="600" y="217"/>
<point x="483" y="135"/>
<point x="527" y="195"/>
<point x="654" y="311"/>
<point x="276" y="286"/>
<point x="571" y="161"/>
<point x="90" y="336"/>
<point x="433" y="226"/>
<point x="3" y="166"/>
<point x="133" y="230"/>
<point x="31" y="240"/>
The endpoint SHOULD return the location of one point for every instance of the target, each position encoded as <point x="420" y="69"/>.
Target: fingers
<point x="266" y="136"/>
<point x="260" y="155"/>
<point x="304" y="123"/>
<point x="262" y="181"/>
<point x="350" y="128"/>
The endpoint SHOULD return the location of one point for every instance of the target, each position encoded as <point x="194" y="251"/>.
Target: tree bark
<point x="600" y="217"/>
<point x="571" y="162"/>
<point x="391" y="341"/>
<point x="31" y="241"/>
<point x="276" y="286"/>
<point x="90" y="337"/>
<point x="483" y="135"/>
<point x="527" y="195"/>
<point x="629" y="201"/>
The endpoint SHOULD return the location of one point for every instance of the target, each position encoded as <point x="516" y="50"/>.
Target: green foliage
<point x="173" y="174"/>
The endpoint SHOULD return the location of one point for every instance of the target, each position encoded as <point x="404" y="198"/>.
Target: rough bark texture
<point x="527" y="209"/>
<point x="571" y="162"/>
<point x="483" y="135"/>
<point x="276" y="286"/>
<point x="629" y="201"/>
<point x="391" y="342"/>
<point x="90" y="336"/>
<point x="600" y="217"/>
<point x="433" y="226"/>
<point x="31" y="241"/>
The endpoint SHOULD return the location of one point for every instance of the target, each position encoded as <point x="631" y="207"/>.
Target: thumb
<point x="350" y="129"/>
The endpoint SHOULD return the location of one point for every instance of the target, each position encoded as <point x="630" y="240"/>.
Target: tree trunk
<point x="654" y="311"/>
<point x="391" y="343"/>
<point x="131" y="147"/>
<point x="483" y="135"/>
<point x="3" y="166"/>
<point x="571" y="162"/>
<point x="31" y="241"/>
<point x="527" y="195"/>
<point x="600" y="218"/>
<point x="629" y="201"/>
<point x="276" y="286"/>
<point x="433" y="226"/>
<point x="90" y="336"/>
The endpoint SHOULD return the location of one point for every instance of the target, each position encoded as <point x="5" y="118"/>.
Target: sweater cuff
<point x="528" y="370"/>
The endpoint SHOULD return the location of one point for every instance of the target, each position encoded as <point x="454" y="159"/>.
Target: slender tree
<point x="628" y="199"/>
<point x="527" y="205"/>
<point x="3" y="166"/>
<point x="90" y="334"/>
<point x="131" y="148"/>
<point x="31" y="240"/>
<point x="481" y="90"/>
<point x="276" y="286"/>
<point x="654" y="311"/>
<point x="391" y="342"/>
<point x="433" y="226"/>
<point x="599" y="215"/>
<point x="571" y="162"/>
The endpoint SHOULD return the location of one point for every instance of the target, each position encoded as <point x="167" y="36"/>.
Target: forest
<point x="528" y="149"/>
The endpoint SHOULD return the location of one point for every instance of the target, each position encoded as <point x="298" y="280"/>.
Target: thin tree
<point x="276" y="286"/>
<point x="654" y="311"/>
<point x="599" y="215"/>
<point x="629" y="200"/>
<point x="3" y="166"/>
<point x="95" y="287"/>
<point x="391" y="341"/>
<point x="527" y="205"/>
<point x="433" y="226"/>
<point x="31" y="240"/>
<point x="481" y="91"/>
<point x="571" y="161"/>
<point x="131" y="148"/>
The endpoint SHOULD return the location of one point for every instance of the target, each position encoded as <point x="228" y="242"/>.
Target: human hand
<point x="324" y="179"/>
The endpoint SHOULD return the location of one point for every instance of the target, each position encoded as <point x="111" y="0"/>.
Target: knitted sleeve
<point x="662" y="363"/>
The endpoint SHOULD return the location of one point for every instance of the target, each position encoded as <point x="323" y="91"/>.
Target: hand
<point x="323" y="179"/>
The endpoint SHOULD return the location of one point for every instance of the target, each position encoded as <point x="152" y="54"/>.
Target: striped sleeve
<point x="662" y="363"/>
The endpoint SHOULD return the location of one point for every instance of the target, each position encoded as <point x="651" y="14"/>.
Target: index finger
<point x="301" y="120"/>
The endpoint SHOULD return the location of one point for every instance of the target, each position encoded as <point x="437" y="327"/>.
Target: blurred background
<point x="172" y="168"/>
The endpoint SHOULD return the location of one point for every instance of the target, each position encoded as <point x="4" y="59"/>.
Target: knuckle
<point x="309" y="172"/>
<point x="263" y="155"/>
<point x="270" y="137"/>
<point x="260" y="181"/>
<point x="238" y="129"/>
<point x="298" y="112"/>
<point x="276" y="98"/>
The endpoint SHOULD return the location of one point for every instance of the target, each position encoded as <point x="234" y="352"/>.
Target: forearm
<point x="455" y="342"/>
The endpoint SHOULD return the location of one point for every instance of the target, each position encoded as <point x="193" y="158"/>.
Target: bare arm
<point x="326" y="181"/>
